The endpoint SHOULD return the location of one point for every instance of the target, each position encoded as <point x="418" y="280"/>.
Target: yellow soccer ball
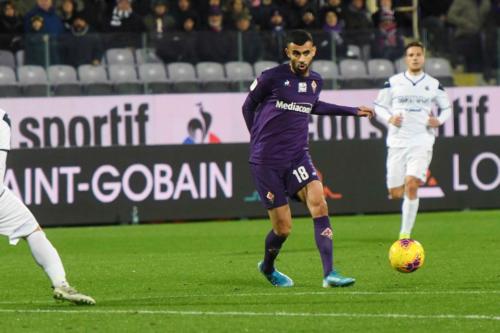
<point x="406" y="255"/>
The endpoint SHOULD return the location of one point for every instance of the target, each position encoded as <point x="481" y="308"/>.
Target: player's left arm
<point x="443" y="102"/>
<point x="328" y="109"/>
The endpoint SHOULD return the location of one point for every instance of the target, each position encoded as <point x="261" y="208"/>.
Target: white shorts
<point x="407" y="161"/>
<point x="16" y="220"/>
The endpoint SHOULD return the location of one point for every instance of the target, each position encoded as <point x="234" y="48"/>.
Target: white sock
<point x="47" y="257"/>
<point x="409" y="211"/>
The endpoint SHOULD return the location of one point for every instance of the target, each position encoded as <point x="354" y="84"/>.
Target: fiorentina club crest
<point x="327" y="233"/>
<point x="270" y="197"/>
<point x="314" y="85"/>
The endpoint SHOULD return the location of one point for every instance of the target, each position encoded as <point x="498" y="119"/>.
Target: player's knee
<point x="283" y="231"/>
<point x="396" y="193"/>
<point x="411" y="187"/>
<point x="318" y="206"/>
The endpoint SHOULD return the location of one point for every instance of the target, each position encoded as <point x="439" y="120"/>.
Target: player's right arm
<point x="383" y="104"/>
<point x="259" y="90"/>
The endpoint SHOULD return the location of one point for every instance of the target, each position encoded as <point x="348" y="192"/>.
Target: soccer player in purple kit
<point x="276" y="113"/>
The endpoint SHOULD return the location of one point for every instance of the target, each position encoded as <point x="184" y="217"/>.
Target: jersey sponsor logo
<point x="302" y="87"/>
<point x="413" y="99"/>
<point x="298" y="107"/>
<point x="314" y="85"/>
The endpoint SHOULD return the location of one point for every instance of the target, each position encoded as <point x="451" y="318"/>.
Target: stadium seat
<point x="124" y="78"/>
<point x="20" y="58"/>
<point x="380" y="70"/>
<point x="240" y="74"/>
<point x="33" y="80"/>
<point x="94" y="80"/>
<point x="146" y="56"/>
<point x="440" y="68"/>
<point x="119" y="56"/>
<point x="328" y="70"/>
<point x="7" y="59"/>
<point x="354" y="51"/>
<point x="155" y="78"/>
<point x="400" y="65"/>
<point x="8" y="84"/>
<point x="183" y="77"/>
<point x="211" y="75"/>
<point x="261" y="66"/>
<point x="63" y="80"/>
<point x="354" y="75"/>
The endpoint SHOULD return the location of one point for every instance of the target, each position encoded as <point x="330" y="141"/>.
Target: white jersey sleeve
<point x="382" y="104"/>
<point x="443" y="102"/>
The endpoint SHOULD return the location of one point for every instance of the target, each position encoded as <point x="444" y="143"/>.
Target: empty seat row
<point x="184" y="77"/>
<point x="352" y="73"/>
<point x="112" y="56"/>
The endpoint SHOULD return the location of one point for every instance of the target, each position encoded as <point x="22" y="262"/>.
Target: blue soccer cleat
<point x="334" y="279"/>
<point x="276" y="278"/>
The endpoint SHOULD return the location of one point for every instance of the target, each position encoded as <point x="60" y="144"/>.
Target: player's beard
<point x="300" y="67"/>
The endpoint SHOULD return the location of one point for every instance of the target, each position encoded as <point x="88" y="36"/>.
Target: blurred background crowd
<point x="76" y="32"/>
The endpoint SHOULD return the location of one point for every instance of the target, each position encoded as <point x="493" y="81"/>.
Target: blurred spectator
<point x="122" y="18"/>
<point x="492" y="29"/>
<point x="388" y="42"/>
<point x="335" y="29"/>
<point x="404" y="19"/>
<point x="42" y="20"/>
<point x="82" y="45"/>
<point x="142" y="7"/>
<point x="124" y="25"/>
<point x="469" y="16"/>
<point x="183" y="11"/>
<point x="236" y="9"/>
<point x="434" y="25"/>
<point x="216" y="44"/>
<point x="94" y="11"/>
<point x="160" y="20"/>
<point x="252" y="45"/>
<point x="274" y="42"/>
<point x="359" y="26"/>
<point x="335" y="6"/>
<point x="261" y="13"/>
<point x="24" y="6"/>
<point x="179" y="46"/>
<point x="67" y="11"/>
<point x="11" y="27"/>
<point x="51" y="23"/>
<point x="302" y="14"/>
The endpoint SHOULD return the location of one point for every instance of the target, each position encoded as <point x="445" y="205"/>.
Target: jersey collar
<point x="414" y="79"/>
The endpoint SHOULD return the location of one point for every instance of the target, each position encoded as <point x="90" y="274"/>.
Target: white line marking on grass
<point x="335" y="293"/>
<point x="258" y="314"/>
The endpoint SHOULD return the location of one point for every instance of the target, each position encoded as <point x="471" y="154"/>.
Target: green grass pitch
<point x="202" y="277"/>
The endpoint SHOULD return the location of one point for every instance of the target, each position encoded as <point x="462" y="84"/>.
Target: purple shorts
<point x="276" y="183"/>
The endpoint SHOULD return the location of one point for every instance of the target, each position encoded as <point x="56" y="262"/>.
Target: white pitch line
<point x="288" y="294"/>
<point x="260" y="314"/>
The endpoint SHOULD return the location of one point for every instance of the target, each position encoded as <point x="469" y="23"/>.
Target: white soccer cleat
<point x="72" y="295"/>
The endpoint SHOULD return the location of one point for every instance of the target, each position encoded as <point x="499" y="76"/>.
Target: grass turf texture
<point x="202" y="277"/>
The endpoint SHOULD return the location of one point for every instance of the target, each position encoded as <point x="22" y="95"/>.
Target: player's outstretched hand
<point x="364" y="111"/>
<point x="433" y="122"/>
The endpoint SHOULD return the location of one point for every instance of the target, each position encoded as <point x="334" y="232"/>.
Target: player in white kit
<point x="17" y="222"/>
<point x="405" y="105"/>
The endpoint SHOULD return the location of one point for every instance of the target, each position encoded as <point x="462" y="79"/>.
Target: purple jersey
<point x="277" y="112"/>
